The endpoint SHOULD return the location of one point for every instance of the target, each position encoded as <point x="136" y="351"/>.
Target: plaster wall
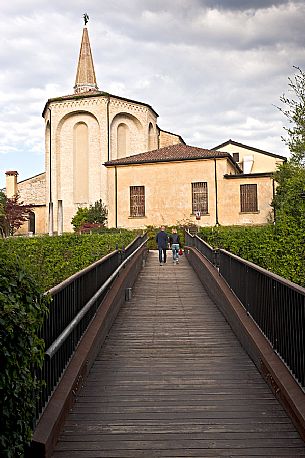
<point x="229" y="201"/>
<point x="168" y="194"/>
<point x="261" y="162"/>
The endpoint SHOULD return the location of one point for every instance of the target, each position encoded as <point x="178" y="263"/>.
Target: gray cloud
<point x="212" y="70"/>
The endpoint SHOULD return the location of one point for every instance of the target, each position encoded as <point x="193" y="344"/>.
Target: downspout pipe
<point x="216" y="193"/>
<point x="108" y="130"/>
<point x="116" y="195"/>
<point x="51" y="218"/>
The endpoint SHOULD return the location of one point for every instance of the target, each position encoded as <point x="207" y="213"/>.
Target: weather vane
<point x="86" y="18"/>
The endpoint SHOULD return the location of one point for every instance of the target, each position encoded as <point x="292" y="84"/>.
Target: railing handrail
<point x="62" y="337"/>
<point x="75" y="302"/>
<point x="55" y="289"/>
<point x="276" y="305"/>
<point x="266" y="272"/>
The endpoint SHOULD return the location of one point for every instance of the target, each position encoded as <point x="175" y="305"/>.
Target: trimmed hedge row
<point x="53" y="259"/>
<point x="275" y="248"/>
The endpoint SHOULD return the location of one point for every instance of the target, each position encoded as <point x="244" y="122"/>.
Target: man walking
<point x="162" y="241"/>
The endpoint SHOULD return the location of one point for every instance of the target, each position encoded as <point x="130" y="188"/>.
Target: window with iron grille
<point x="248" y="198"/>
<point x="137" y="201"/>
<point x="200" y="197"/>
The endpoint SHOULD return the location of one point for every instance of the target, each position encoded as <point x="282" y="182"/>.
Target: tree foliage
<point x="289" y="201"/>
<point x="13" y="214"/>
<point x="22" y="309"/>
<point x="93" y="217"/>
<point x="294" y="110"/>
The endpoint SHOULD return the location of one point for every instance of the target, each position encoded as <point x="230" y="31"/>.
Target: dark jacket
<point x="174" y="238"/>
<point x="162" y="240"/>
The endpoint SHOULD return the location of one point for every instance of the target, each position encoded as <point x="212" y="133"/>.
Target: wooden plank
<point x="172" y="380"/>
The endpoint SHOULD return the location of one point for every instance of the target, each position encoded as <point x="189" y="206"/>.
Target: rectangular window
<point x="248" y="198"/>
<point x="236" y="157"/>
<point x="200" y="197"/>
<point x="137" y="201"/>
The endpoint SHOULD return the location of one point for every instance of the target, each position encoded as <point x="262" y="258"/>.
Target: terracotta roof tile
<point x="177" y="152"/>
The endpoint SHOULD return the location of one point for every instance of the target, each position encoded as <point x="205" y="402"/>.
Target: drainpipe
<point x="273" y="195"/>
<point x="108" y="129"/>
<point x="116" y="195"/>
<point x="51" y="219"/>
<point x="60" y="219"/>
<point x="216" y="193"/>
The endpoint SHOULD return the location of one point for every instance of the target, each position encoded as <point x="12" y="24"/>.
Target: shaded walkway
<point x="172" y="380"/>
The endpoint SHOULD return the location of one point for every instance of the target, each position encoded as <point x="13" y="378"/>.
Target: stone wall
<point x="33" y="190"/>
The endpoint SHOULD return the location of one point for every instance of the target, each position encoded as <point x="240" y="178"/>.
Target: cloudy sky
<point x="212" y="69"/>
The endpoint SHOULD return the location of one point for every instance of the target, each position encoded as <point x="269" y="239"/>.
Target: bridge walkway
<point x="173" y="381"/>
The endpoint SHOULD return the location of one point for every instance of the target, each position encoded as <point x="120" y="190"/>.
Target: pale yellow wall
<point x="261" y="162"/>
<point x="168" y="197"/>
<point x="229" y="201"/>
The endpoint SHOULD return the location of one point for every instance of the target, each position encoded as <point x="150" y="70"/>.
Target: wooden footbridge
<point x="160" y="373"/>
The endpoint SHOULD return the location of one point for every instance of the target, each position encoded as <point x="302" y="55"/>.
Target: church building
<point x="102" y="146"/>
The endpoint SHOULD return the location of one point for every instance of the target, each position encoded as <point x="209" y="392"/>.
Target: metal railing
<point x="275" y="304"/>
<point x="74" y="304"/>
<point x="202" y="246"/>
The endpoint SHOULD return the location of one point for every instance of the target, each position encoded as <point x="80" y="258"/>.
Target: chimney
<point x="11" y="183"/>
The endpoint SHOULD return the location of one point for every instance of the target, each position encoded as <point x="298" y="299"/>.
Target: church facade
<point x="101" y="146"/>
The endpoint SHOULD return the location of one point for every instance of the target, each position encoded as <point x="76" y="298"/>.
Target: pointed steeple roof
<point x="85" y="76"/>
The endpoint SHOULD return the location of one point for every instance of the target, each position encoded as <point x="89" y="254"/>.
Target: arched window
<point x="122" y="140"/>
<point x="80" y="163"/>
<point x="151" y="137"/>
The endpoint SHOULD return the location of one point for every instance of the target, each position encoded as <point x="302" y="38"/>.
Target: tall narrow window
<point x="248" y="198"/>
<point x="150" y="137"/>
<point x="137" y="201"/>
<point x="122" y="140"/>
<point x="80" y="163"/>
<point x="200" y="197"/>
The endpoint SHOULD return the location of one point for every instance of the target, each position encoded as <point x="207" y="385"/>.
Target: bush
<point x="88" y="218"/>
<point x="22" y="310"/>
<point x="278" y="248"/>
<point x="53" y="259"/>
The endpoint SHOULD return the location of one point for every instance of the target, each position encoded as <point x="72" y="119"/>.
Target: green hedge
<point x="28" y="267"/>
<point x="279" y="249"/>
<point x="52" y="259"/>
<point x="22" y="309"/>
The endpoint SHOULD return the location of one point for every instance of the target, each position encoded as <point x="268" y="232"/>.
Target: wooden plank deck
<point x="173" y="381"/>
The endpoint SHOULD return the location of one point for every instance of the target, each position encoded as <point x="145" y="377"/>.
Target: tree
<point x="13" y="214"/>
<point x="98" y="213"/>
<point x="294" y="110"/>
<point x="289" y="201"/>
<point x="92" y="217"/>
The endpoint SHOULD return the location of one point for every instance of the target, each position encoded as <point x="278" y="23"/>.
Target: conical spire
<point x="85" y="76"/>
